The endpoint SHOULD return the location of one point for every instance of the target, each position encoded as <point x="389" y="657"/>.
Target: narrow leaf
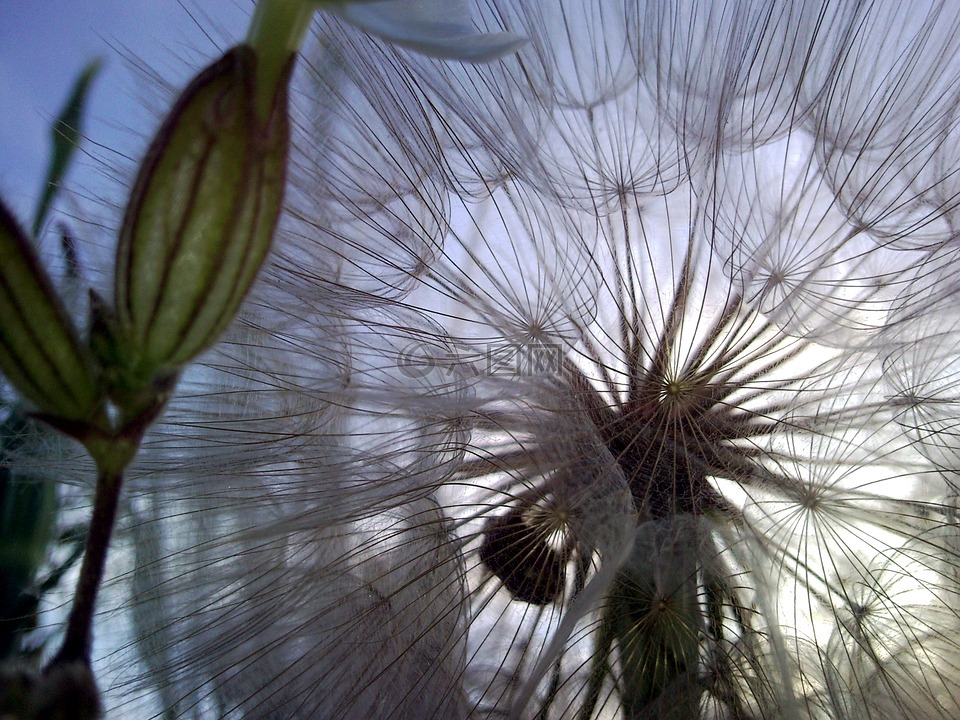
<point x="65" y="135"/>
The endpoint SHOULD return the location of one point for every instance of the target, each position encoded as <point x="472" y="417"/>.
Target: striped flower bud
<point x="199" y="222"/>
<point x="40" y="352"/>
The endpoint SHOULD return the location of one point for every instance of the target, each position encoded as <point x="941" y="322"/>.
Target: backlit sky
<point x="43" y="46"/>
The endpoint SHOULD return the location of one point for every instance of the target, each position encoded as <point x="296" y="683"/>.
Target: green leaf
<point x="65" y="134"/>
<point x="27" y="513"/>
<point x="28" y="508"/>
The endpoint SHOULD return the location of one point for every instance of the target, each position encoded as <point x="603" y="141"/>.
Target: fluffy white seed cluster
<point x="616" y="378"/>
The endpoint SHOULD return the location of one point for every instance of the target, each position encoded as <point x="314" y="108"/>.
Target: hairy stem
<point x="78" y="640"/>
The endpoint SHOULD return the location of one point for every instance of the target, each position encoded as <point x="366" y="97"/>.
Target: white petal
<point x="414" y="24"/>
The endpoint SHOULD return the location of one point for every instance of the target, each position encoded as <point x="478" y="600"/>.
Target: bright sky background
<point x="45" y="43"/>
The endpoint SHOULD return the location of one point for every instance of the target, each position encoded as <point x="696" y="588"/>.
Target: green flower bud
<point x="200" y="220"/>
<point x="40" y="352"/>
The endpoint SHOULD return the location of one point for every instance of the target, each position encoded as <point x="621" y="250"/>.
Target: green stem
<point x="78" y="640"/>
<point x="277" y="31"/>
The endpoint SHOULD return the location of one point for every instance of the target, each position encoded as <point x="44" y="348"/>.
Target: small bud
<point x="40" y="352"/>
<point x="200" y="219"/>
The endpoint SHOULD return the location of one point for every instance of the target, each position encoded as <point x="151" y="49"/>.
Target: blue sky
<point x="45" y="43"/>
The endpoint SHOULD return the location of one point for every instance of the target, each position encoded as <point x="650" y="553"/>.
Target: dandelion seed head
<point x="612" y="379"/>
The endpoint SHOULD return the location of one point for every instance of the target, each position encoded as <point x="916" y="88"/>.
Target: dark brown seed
<point x="519" y="555"/>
